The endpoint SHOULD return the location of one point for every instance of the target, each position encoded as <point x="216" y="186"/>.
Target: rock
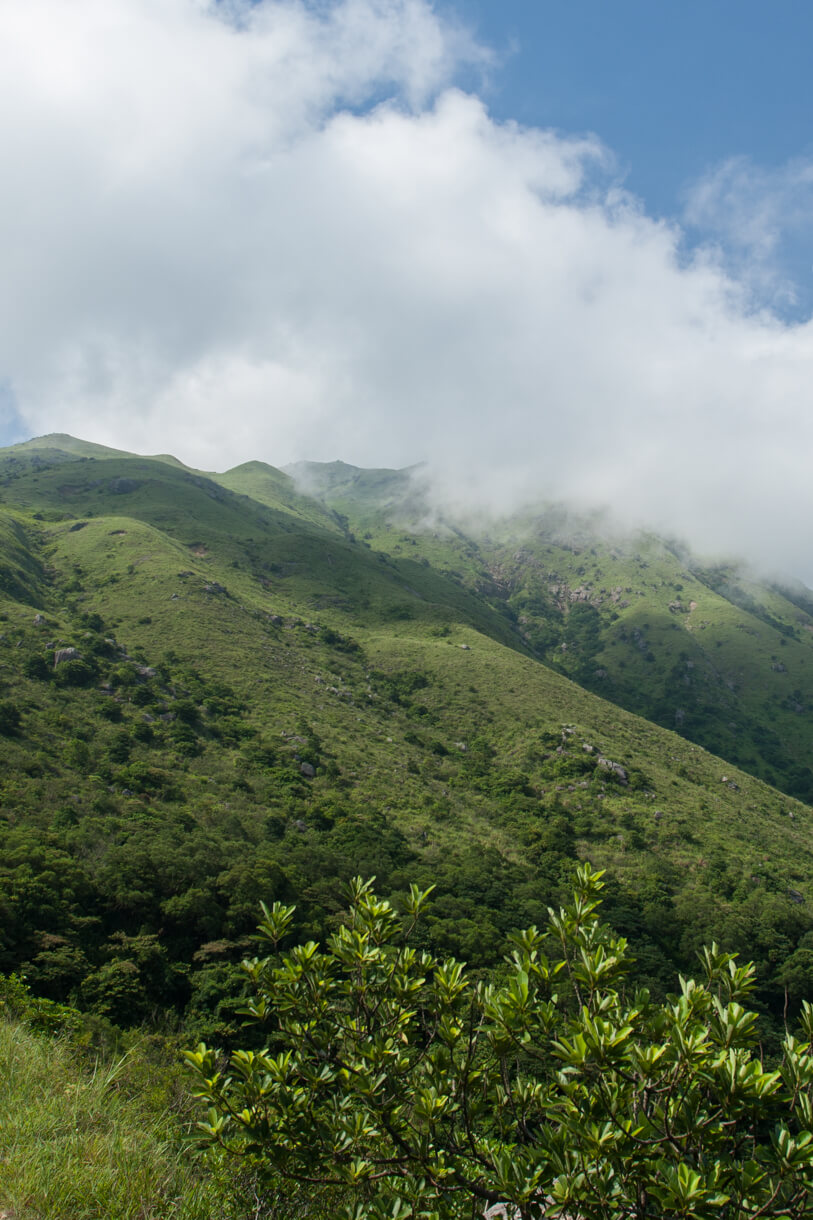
<point x="615" y="769"/>
<point x="122" y="487"/>
<point x="502" y="1211"/>
<point x="778" y="668"/>
<point x="307" y="769"/>
<point x="214" y="587"/>
<point x="65" y="654"/>
<point x="795" y="896"/>
<point x="145" y="671"/>
<point x="465" y="648"/>
<point x="39" y="619"/>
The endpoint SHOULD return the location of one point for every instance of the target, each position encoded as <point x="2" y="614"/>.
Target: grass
<point x="75" y="1145"/>
<point x="708" y="650"/>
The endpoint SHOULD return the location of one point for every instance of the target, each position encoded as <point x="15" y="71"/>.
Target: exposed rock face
<point x="307" y="769"/>
<point x="65" y="654"/>
<point x="615" y="769"/>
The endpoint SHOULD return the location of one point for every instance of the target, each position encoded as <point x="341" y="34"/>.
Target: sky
<point x="554" y="249"/>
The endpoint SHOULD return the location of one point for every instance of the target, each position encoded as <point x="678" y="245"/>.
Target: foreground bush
<point x="416" y="1090"/>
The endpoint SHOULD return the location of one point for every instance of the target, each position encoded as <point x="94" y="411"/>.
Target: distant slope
<point x="710" y="651"/>
<point x="60" y="447"/>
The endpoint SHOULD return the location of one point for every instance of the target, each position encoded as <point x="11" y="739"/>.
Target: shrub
<point x="10" y="716"/>
<point x="416" y="1090"/>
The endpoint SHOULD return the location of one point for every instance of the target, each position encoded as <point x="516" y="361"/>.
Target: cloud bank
<point x="282" y="231"/>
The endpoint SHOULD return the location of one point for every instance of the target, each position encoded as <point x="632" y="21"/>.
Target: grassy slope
<point x="75" y="1146"/>
<point x="310" y="630"/>
<point x="711" y="652"/>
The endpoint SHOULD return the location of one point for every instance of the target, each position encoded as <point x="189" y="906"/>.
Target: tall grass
<point x="73" y="1146"/>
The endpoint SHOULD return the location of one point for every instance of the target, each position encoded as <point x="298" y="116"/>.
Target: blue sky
<point x="674" y="88"/>
<point x="554" y="249"/>
<point x="672" y="85"/>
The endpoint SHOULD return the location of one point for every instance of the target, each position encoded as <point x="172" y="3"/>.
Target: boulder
<point x="615" y="769"/>
<point x="66" y="654"/>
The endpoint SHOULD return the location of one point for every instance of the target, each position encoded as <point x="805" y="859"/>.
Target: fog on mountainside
<point x="427" y="494"/>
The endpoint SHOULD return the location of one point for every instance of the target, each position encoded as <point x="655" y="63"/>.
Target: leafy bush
<point x="417" y="1091"/>
<point x="17" y="1003"/>
<point x="37" y="666"/>
<point x="10" y="717"/>
<point x="75" y="673"/>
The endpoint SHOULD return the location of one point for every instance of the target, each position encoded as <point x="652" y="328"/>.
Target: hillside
<point x="706" y="649"/>
<point x="270" y="692"/>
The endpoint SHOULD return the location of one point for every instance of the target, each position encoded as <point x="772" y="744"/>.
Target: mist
<point x="283" y="232"/>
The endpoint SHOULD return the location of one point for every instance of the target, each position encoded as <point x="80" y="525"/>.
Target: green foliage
<point x="164" y="794"/>
<point x="38" y="666"/>
<point x="10" y="717"/>
<point x="413" y="1089"/>
<point x="76" y="673"/>
<point x="18" y="1003"/>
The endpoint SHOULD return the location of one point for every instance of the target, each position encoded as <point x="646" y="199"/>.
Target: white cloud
<point x="755" y="213"/>
<point x="279" y="231"/>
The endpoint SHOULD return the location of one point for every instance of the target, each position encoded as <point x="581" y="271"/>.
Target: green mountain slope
<point x="722" y="658"/>
<point x="260" y="705"/>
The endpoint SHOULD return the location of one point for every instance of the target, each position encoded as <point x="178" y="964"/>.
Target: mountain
<point x="706" y="649"/>
<point x="217" y="689"/>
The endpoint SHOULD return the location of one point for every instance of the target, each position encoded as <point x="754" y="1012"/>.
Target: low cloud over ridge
<point x="282" y="231"/>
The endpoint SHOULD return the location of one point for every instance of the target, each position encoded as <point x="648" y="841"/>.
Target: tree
<point x="418" y="1091"/>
